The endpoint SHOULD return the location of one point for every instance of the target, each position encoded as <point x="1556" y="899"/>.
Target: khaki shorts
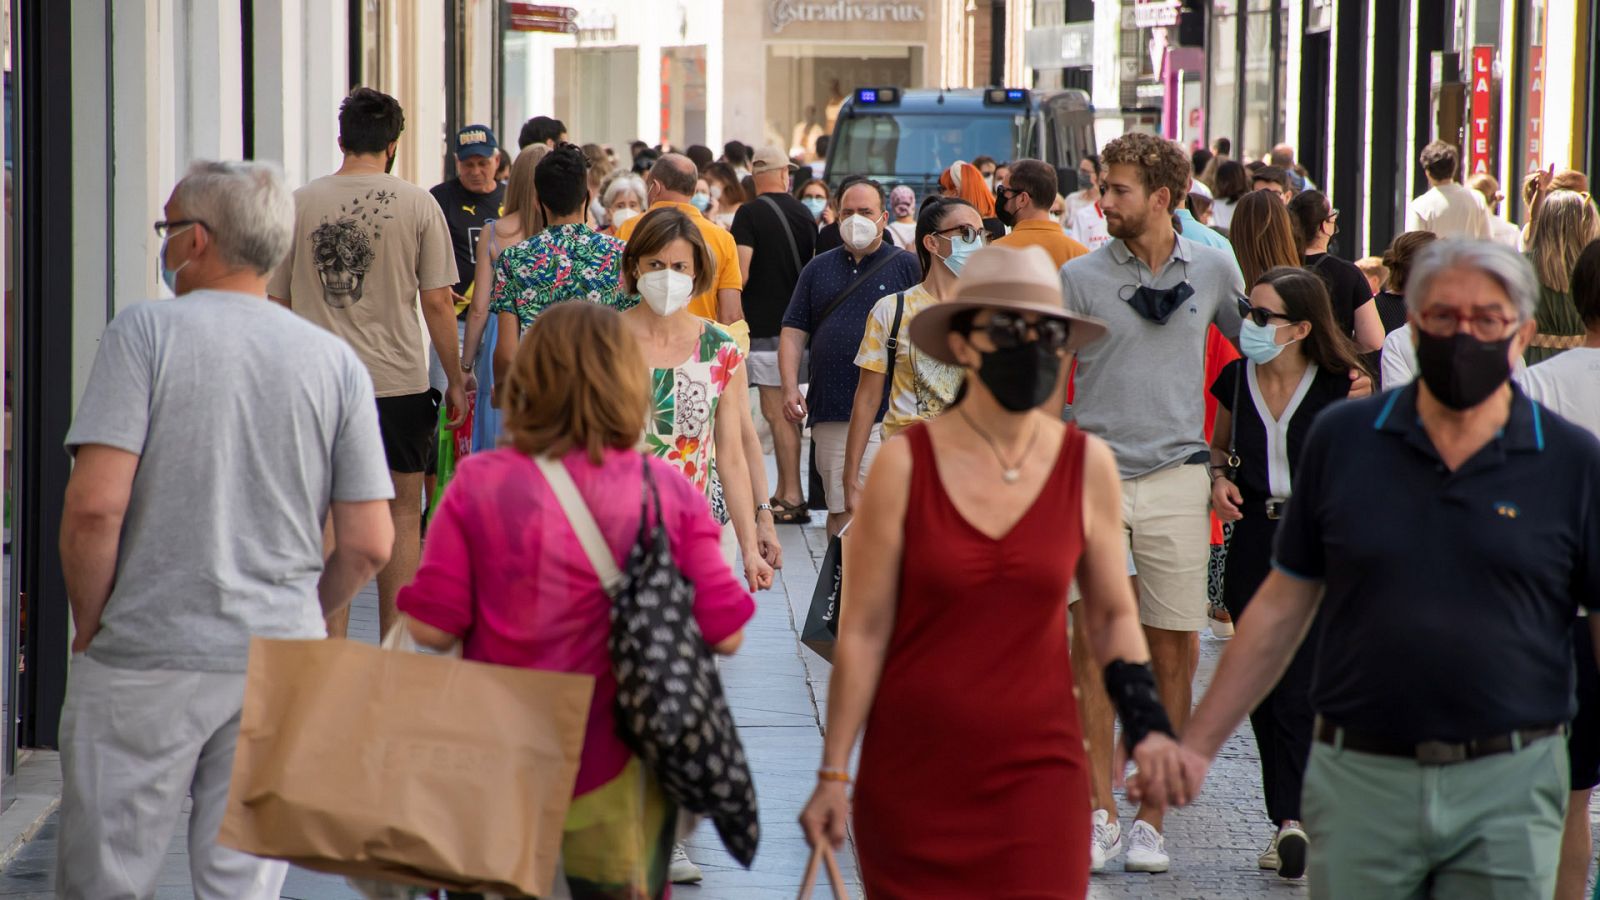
<point x="1167" y="518"/>
<point x="830" y="438"/>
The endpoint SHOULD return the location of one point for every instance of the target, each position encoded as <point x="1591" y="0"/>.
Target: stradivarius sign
<point x="784" y="13"/>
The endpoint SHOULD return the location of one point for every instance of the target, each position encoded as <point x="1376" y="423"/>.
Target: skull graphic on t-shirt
<point x="343" y="250"/>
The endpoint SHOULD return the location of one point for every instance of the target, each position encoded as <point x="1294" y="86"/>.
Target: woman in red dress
<point x="952" y="646"/>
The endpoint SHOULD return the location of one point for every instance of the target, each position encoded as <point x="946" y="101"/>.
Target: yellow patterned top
<point x="923" y="386"/>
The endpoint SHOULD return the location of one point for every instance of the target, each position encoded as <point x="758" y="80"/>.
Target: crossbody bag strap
<point x="850" y="288"/>
<point x="892" y="344"/>
<point x="1233" y="424"/>
<point x="788" y="232"/>
<point x="582" y="522"/>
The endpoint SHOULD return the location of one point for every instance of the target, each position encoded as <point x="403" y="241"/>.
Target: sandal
<point x="784" y="513"/>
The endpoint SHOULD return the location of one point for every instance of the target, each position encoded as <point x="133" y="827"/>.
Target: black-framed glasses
<point x="1008" y="330"/>
<point x="1483" y="324"/>
<point x="1259" y="315"/>
<point x="966" y="232"/>
<point x="164" y="228"/>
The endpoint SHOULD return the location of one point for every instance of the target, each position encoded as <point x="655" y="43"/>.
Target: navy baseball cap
<point x="476" y="140"/>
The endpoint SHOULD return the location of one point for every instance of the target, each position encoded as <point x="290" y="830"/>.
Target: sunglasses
<point x="1008" y="331"/>
<point x="965" y="232"/>
<point x="1257" y="314"/>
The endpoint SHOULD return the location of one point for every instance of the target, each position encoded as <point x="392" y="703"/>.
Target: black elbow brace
<point x="1132" y="688"/>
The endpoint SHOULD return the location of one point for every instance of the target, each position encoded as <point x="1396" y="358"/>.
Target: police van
<point x="909" y="137"/>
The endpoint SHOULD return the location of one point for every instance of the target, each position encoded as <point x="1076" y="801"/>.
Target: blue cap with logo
<point x="476" y="140"/>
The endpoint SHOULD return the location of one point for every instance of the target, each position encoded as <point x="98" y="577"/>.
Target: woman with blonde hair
<point x="1262" y="235"/>
<point x="963" y="180"/>
<point x="519" y="220"/>
<point x="504" y="573"/>
<point x="1566" y="222"/>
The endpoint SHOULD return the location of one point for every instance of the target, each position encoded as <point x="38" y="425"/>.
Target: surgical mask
<point x="618" y="216"/>
<point x="1021" y="377"/>
<point x="169" y="277"/>
<point x="666" y="291"/>
<point x="701" y="201"/>
<point x="858" y="232"/>
<point x="1158" y="304"/>
<point x="1462" y="371"/>
<point x="959" y="251"/>
<point x="1259" y="343"/>
<point x="815" y="205"/>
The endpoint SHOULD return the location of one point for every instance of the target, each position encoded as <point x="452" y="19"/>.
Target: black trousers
<point x="1284" y="719"/>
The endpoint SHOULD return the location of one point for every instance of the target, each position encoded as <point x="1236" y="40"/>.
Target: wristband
<point x="839" y="775"/>
<point x="1132" y="688"/>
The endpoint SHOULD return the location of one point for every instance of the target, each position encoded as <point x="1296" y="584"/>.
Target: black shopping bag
<point x="822" y="619"/>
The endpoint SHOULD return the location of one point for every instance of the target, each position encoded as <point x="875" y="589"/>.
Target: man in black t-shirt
<point x="469" y="200"/>
<point x="776" y="236"/>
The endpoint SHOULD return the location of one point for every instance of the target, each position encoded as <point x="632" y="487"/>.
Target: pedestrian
<point x="567" y="260"/>
<point x="1141" y="391"/>
<point x="1007" y="501"/>
<point x="829" y="310"/>
<point x="949" y="232"/>
<point x="1500" y="230"/>
<point x="1088" y="194"/>
<point x="1262" y="235"/>
<point x="727" y="193"/>
<point x="1282" y="156"/>
<point x="985" y="166"/>
<point x="600" y="169"/>
<point x="519" y="220"/>
<point x="1443" y="673"/>
<point x="542" y="130"/>
<point x="502" y="168"/>
<point x="1449" y="208"/>
<point x="1023" y="205"/>
<point x="1315" y="224"/>
<point x="1377" y="274"/>
<point x="365" y="244"/>
<point x="700" y="155"/>
<point x="1566" y="223"/>
<point x="216" y="434"/>
<point x="1195" y="228"/>
<point x="737" y="156"/>
<point x="1002" y="175"/>
<point x="963" y="180"/>
<point x="903" y="206"/>
<point x="1197" y="205"/>
<point x="1397" y="262"/>
<point x="1275" y="180"/>
<point x="819" y="164"/>
<point x="776" y="237"/>
<point x="624" y="197"/>
<point x="1232" y="183"/>
<point x="813" y="195"/>
<point x="828" y="235"/>
<point x="671" y="183"/>
<point x="502" y="565"/>
<point x="1297" y="362"/>
<point x="1538" y="185"/>
<point x="1569" y="385"/>
<point x="1088" y="224"/>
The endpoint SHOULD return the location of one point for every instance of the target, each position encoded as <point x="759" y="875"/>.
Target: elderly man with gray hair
<point x="1446" y="534"/>
<point x="217" y="433"/>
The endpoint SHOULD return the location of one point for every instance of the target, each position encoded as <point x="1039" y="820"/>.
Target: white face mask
<point x="666" y="291"/>
<point x="858" y="232"/>
<point x="623" y="214"/>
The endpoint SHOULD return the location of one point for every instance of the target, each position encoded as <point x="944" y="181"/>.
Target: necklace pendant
<point x="1011" y="476"/>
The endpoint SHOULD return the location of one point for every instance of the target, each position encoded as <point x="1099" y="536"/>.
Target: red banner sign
<point x="542" y="12"/>
<point x="1535" y="148"/>
<point x="1479" y="128"/>
<point x="534" y="17"/>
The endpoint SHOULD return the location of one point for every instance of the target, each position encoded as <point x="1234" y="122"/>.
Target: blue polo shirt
<point x="1200" y="233"/>
<point x="835" y="340"/>
<point x="1450" y="596"/>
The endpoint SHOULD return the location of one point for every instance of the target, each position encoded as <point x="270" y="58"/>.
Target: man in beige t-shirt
<point x="1449" y="209"/>
<point x="365" y="243"/>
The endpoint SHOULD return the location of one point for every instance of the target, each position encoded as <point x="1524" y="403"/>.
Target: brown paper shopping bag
<point x="404" y="767"/>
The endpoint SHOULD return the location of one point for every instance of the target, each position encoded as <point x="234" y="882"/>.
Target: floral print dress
<point x="683" y="407"/>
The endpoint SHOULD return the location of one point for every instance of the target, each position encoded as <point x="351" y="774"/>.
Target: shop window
<point x="808" y="83"/>
<point x="1222" y="107"/>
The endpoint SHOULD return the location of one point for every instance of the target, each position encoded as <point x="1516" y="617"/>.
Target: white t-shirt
<point x="1398" y="361"/>
<point x="1569" y="384"/>
<point x="1503" y="232"/>
<point x="1450" y="210"/>
<point x="1089" y="227"/>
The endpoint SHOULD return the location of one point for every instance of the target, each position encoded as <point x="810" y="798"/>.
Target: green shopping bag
<point x="453" y="446"/>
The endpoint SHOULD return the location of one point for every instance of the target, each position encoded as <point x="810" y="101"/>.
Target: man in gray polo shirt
<point x="1141" y="390"/>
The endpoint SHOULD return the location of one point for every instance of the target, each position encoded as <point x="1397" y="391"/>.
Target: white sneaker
<point x="1146" y="850"/>
<point x="1269" y="857"/>
<point x="682" y="869"/>
<point x="1292" y="846"/>
<point x="1105" y="842"/>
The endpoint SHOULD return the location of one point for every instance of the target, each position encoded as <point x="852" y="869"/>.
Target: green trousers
<point x="1384" y="828"/>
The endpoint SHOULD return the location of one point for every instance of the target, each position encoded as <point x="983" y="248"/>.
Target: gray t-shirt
<point x="248" y="421"/>
<point x="1141" y="388"/>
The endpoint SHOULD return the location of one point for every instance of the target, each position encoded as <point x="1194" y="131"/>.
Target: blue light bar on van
<point x="1005" y="97"/>
<point x="877" y="96"/>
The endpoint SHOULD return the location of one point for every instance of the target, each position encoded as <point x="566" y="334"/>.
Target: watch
<point x="763" y="507"/>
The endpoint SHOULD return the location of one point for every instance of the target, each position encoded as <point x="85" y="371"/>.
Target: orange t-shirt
<point x="1047" y="234"/>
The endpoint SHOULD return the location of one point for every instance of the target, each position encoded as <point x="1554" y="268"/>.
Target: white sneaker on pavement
<point x="682" y="869"/>
<point x="1146" y="849"/>
<point x="1105" y="841"/>
<point x="1269" y="857"/>
<point x="1292" y="846"/>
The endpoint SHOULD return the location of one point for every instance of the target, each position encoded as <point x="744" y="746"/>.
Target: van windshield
<point x="922" y="144"/>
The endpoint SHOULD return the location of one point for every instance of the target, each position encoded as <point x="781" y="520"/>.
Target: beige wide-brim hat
<point x="1020" y="280"/>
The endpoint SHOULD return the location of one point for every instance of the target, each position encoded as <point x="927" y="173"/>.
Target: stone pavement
<point x="777" y="689"/>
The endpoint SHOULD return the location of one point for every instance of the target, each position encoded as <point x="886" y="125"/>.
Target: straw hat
<point x="996" y="277"/>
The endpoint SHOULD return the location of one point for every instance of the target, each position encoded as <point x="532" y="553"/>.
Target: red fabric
<point x="1219" y="352"/>
<point x="973" y="780"/>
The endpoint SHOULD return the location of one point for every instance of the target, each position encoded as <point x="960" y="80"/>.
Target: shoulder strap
<point x="788" y="232"/>
<point x="850" y="288"/>
<point x="1233" y="420"/>
<point x="582" y="522"/>
<point x="892" y="344"/>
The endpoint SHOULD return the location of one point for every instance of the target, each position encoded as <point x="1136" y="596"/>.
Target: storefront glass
<point x="589" y="97"/>
<point x="1223" y="104"/>
<point x="808" y="83"/>
<point x="1260" y="125"/>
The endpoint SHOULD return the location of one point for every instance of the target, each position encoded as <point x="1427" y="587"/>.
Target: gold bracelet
<point x="838" y="775"/>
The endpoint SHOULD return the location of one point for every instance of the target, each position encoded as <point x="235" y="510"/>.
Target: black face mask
<point x="1006" y="216"/>
<point x="388" y="164"/>
<point x="1462" y="371"/>
<point x="1158" y="304"/>
<point x="1022" y="377"/>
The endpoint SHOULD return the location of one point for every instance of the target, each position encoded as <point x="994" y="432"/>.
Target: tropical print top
<point x="562" y="262"/>
<point x="923" y="386"/>
<point x="683" y="406"/>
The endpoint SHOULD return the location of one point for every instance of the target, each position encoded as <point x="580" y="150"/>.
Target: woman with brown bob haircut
<point x="504" y="574"/>
<point x="699" y="399"/>
<point x="1262" y="235"/>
